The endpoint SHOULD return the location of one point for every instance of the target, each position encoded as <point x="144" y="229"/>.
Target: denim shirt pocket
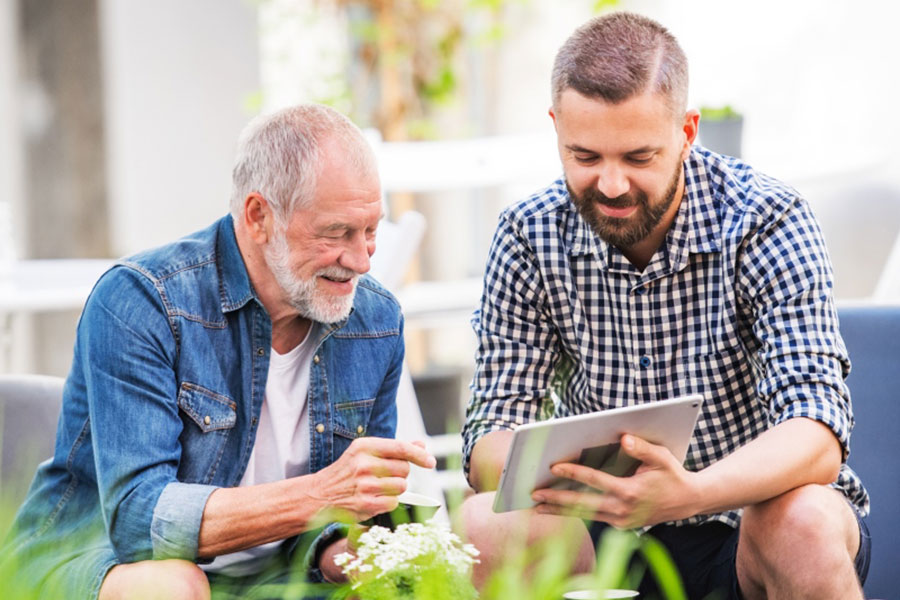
<point x="350" y="422"/>
<point x="208" y="417"/>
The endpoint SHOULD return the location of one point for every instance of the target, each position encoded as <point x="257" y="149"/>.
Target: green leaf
<point x="663" y="569"/>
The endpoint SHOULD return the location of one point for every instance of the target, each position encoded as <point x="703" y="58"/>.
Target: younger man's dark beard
<point x="618" y="232"/>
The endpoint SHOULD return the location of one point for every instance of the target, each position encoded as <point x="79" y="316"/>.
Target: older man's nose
<point x="356" y="256"/>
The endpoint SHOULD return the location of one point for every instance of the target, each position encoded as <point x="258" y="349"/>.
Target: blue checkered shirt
<point x="736" y="305"/>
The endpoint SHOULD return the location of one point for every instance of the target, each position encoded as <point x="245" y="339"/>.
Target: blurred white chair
<point x="888" y="286"/>
<point x="396" y="244"/>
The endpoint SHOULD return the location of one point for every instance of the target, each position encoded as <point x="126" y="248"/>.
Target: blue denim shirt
<point x="162" y="403"/>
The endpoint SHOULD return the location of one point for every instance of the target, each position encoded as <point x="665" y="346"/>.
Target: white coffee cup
<point x="599" y="594"/>
<point x="412" y="508"/>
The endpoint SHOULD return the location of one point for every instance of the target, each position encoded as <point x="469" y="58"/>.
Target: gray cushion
<point x="29" y="411"/>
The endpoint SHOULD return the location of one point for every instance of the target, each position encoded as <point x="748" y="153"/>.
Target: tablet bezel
<point x="535" y="447"/>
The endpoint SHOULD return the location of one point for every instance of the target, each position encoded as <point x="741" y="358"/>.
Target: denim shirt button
<point x="320" y="428"/>
<point x="260" y="351"/>
<point x="206" y="420"/>
<point x="316" y="359"/>
<point x="360" y="429"/>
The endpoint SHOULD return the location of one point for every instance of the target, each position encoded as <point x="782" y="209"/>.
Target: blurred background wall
<point x="118" y="121"/>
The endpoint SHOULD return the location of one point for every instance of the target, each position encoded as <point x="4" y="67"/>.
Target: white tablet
<point x="591" y="439"/>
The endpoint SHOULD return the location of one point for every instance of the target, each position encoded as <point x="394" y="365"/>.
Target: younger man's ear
<point x="690" y="127"/>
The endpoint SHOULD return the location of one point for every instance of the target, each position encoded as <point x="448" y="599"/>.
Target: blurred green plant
<point x="719" y="113"/>
<point x="544" y="570"/>
<point x="408" y="52"/>
<point x="604" y="5"/>
<point x="408" y="60"/>
<point x="537" y="572"/>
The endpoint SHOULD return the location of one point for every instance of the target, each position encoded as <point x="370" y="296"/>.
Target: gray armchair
<point x="29" y="411"/>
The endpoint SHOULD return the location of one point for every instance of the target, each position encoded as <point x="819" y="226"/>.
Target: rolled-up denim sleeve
<point x="330" y="534"/>
<point x="129" y="347"/>
<point x="176" y="519"/>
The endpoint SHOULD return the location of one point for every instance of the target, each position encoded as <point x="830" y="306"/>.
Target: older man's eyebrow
<point x="345" y="226"/>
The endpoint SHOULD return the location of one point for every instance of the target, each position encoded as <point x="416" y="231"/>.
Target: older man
<point x="230" y="387"/>
<point x="656" y="269"/>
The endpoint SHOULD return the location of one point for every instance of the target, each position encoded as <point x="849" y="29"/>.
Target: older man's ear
<point x="257" y="218"/>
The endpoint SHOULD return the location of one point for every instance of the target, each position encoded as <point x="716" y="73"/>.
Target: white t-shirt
<point x="281" y="449"/>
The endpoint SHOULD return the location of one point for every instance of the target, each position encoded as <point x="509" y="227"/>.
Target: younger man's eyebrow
<point x="643" y="150"/>
<point x="577" y="148"/>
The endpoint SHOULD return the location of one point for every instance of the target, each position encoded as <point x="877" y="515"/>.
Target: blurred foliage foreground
<point x="433" y="564"/>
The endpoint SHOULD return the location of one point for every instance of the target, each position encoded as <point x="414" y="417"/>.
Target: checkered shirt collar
<point x="694" y="230"/>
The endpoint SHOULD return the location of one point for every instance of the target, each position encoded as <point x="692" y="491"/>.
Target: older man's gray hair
<point x="279" y="156"/>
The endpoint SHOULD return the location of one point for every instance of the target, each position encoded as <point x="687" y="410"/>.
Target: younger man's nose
<point x="612" y="182"/>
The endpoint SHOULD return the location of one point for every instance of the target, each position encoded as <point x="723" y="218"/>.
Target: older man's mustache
<point x="339" y="274"/>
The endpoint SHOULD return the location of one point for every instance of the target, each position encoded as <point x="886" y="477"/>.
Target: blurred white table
<point x="31" y="286"/>
<point x="47" y="285"/>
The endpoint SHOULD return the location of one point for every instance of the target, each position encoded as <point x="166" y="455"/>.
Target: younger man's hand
<point x="661" y="490"/>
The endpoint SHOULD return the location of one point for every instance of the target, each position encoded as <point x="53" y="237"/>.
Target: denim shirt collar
<point x="235" y="289"/>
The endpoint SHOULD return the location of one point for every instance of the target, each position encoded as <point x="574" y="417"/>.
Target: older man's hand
<point x="366" y="480"/>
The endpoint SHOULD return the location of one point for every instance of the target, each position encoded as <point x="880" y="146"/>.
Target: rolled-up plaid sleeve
<point x="516" y="341"/>
<point x="786" y="274"/>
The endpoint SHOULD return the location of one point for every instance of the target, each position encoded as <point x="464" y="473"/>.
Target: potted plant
<point x="721" y="129"/>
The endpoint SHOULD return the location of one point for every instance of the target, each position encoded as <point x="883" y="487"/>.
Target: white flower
<point x="409" y="548"/>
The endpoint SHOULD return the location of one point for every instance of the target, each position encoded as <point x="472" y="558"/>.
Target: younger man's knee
<point x="474" y="515"/>
<point x="152" y="580"/>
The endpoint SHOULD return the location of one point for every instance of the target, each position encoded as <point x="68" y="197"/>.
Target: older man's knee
<point x="162" y="579"/>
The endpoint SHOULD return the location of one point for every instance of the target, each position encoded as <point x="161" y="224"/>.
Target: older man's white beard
<point x="303" y="294"/>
